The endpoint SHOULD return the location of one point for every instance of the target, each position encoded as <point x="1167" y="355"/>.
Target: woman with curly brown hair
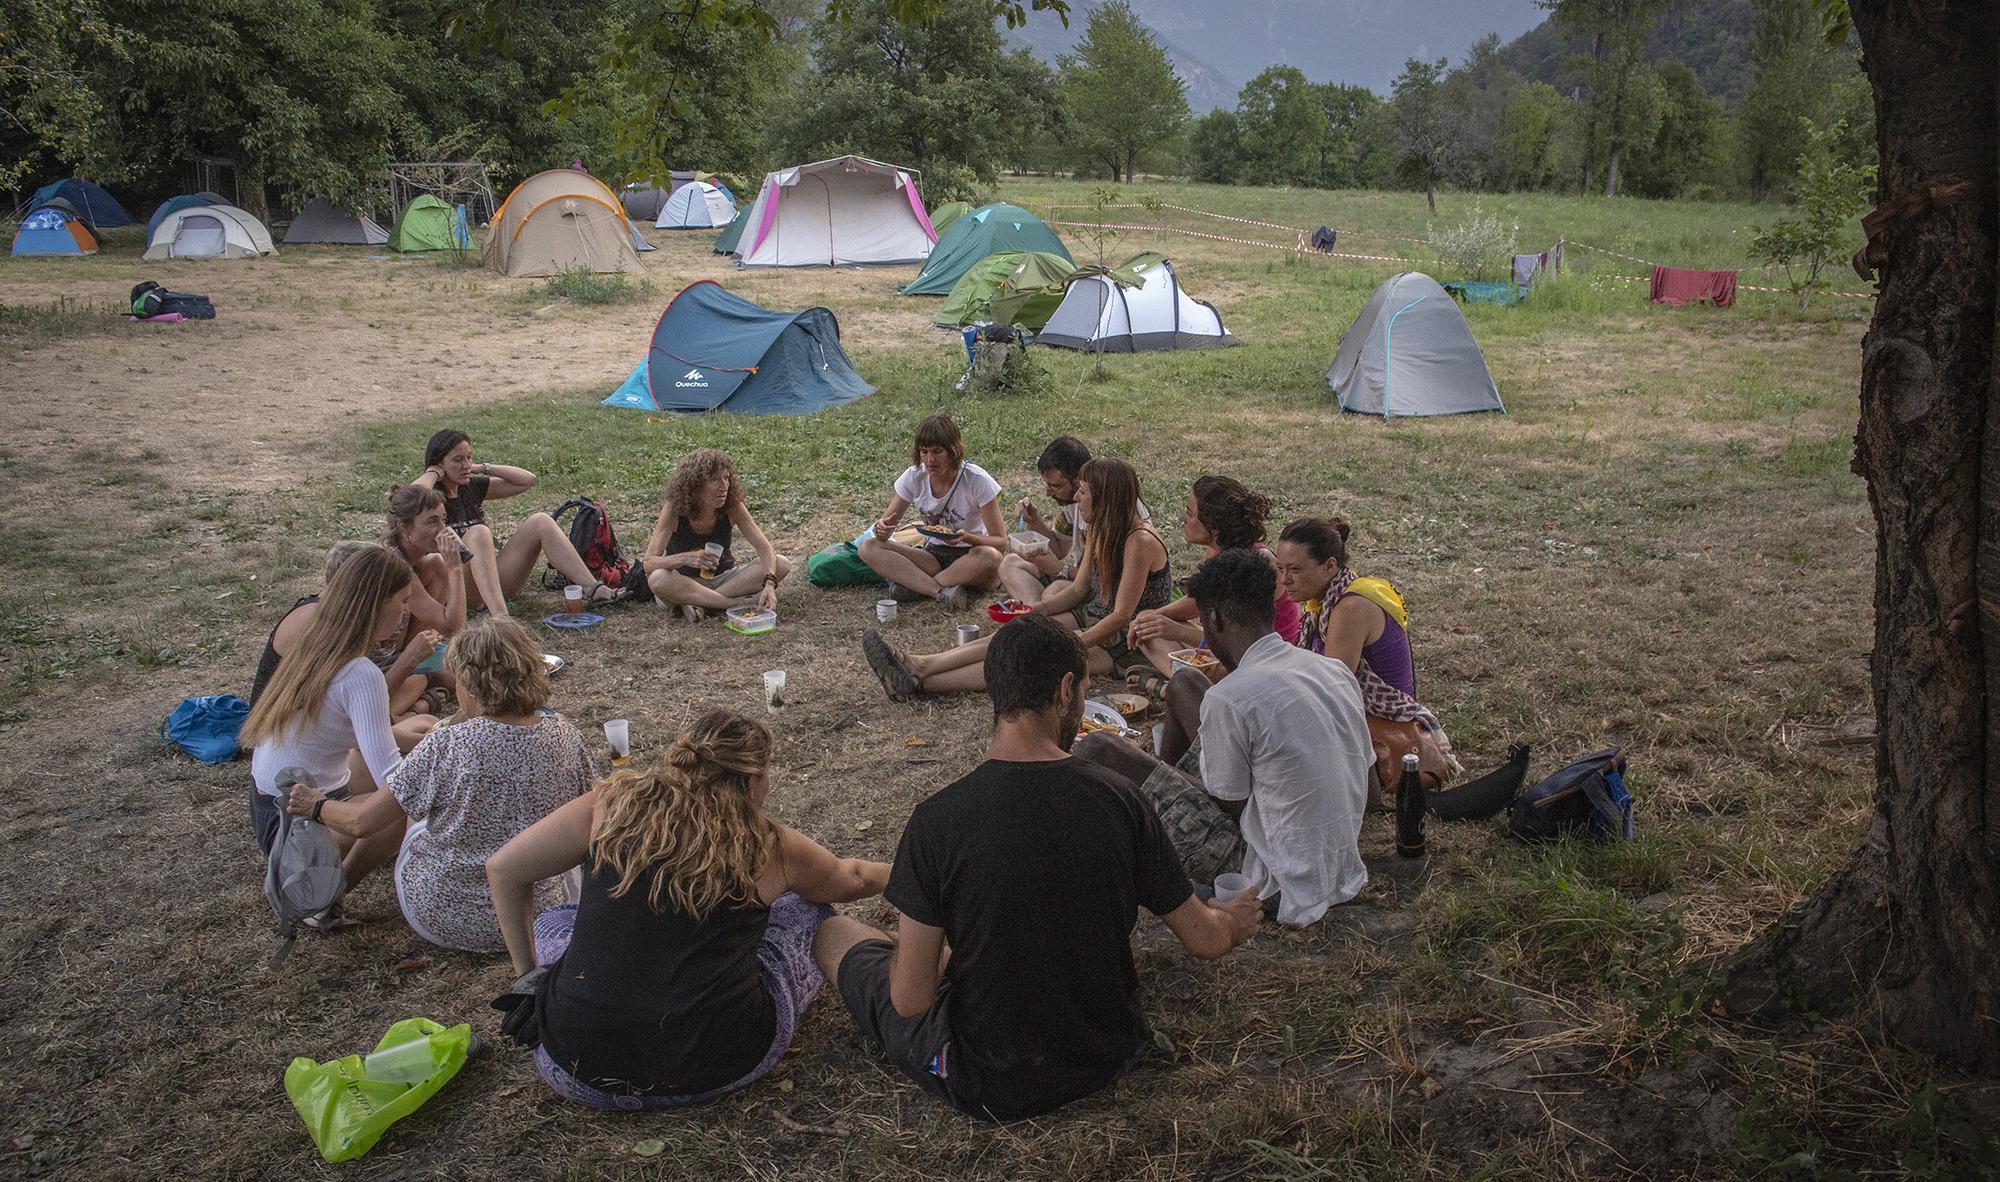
<point x="688" y="562"/>
<point x="682" y="972"/>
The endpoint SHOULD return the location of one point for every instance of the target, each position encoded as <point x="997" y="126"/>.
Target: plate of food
<point x="938" y="533"/>
<point x="573" y="619"/>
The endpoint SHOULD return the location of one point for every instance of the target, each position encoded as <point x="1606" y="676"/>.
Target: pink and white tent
<point x="840" y="212"/>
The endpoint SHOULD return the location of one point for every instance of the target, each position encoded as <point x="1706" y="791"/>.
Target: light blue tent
<point x="53" y="230"/>
<point x="713" y="350"/>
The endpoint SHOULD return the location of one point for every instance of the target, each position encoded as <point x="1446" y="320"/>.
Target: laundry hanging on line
<point x="1683" y="285"/>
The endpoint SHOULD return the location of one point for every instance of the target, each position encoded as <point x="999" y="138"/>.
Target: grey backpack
<point x="304" y="876"/>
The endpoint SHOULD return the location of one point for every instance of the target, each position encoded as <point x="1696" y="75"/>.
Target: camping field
<point x="1659" y="545"/>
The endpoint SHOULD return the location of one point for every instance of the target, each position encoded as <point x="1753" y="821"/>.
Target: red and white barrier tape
<point x="1294" y="249"/>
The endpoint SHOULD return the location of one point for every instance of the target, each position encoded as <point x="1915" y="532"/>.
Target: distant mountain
<point x="1711" y="36"/>
<point x="1044" y="33"/>
<point x="1356" y="41"/>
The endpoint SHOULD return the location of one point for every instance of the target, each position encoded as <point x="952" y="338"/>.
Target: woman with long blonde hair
<point x="325" y="709"/>
<point x="703" y="504"/>
<point x="470" y="787"/>
<point x="682" y="972"/>
<point x="1124" y="571"/>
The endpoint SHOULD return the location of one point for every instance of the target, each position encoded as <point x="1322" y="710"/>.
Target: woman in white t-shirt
<point x="328" y="702"/>
<point x="964" y="536"/>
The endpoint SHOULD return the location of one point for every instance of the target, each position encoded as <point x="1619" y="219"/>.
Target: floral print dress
<point x="467" y="789"/>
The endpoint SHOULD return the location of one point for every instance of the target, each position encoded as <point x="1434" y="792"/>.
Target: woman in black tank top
<point x="703" y="508"/>
<point x="682" y="971"/>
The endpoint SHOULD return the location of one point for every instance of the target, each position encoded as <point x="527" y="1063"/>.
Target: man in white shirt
<point x="1284" y="755"/>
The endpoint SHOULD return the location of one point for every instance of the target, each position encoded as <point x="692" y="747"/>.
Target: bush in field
<point x="580" y="286"/>
<point x="1479" y="247"/>
<point x="1830" y="192"/>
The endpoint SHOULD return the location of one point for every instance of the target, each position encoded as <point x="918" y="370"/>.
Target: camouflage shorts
<point x="1208" y="840"/>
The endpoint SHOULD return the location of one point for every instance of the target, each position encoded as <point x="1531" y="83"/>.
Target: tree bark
<point x="1909" y="932"/>
<point x="1431" y="192"/>
<point x="1611" y="171"/>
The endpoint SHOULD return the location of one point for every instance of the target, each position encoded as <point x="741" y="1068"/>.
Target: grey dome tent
<point x="1410" y="352"/>
<point x="322" y="221"/>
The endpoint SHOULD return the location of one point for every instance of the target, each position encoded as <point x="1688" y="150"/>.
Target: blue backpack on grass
<point x="1587" y="796"/>
<point x="206" y="727"/>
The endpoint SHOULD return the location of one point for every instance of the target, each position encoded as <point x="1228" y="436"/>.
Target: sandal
<point x="435" y="700"/>
<point x="889" y="667"/>
<point x="1150" y="684"/>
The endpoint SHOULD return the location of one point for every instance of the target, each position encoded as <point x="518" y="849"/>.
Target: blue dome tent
<point x="714" y="350"/>
<point x="99" y="209"/>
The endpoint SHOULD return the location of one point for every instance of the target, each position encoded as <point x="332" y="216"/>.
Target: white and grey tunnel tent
<point x="836" y="213"/>
<point x="1101" y="315"/>
<point x="209" y="232"/>
<point x="1410" y="352"/>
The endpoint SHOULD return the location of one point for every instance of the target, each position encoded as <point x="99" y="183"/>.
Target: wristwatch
<point x="317" y="806"/>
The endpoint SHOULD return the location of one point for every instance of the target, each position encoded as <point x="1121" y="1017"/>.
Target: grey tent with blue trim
<point x="714" y="350"/>
<point x="1410" y="352"/>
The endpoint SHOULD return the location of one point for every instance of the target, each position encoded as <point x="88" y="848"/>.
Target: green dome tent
<point x="978" y="294"/>
<point x="944" y="215"/>
<point x="725" y="242"/>
<point x="988" y="230"/>
<point x="429" y="224"/>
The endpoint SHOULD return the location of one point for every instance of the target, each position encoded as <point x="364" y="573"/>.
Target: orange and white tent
<point x="557" y="221"/>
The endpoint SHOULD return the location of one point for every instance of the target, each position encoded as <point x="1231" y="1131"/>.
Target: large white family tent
<point x="839" y="212"/>
<point x="1138" y="307"/>
<point x="209" y="232"/>
<point x="323" y="221"/>
<point x="696" y="205"/>
<point x="1410" y="352"/>
<point x="556" y="221"/>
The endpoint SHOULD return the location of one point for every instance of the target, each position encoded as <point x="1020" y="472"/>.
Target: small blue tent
<point x="55" y="230"/>
<point x="172" y="204"/>
<point x="99" y="209"/>
<point x="714" y="350"/>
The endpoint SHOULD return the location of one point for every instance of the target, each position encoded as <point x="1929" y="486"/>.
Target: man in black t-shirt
<point x="1009" y="988"/>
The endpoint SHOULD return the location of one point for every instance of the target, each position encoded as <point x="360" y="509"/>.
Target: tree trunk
<point x="1910" y="931"/>
<point x="1431" y="192"/>
<point x="1611" y="171"/>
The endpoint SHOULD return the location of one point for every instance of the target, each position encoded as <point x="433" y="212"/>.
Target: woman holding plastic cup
<point x="687" y="563"/>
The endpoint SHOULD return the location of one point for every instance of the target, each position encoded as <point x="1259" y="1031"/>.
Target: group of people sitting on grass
<point x="669" y="932"/>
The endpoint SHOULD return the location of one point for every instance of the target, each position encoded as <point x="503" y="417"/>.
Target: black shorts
<point x="919" y="1047"/>
<point x="945" y="555"/>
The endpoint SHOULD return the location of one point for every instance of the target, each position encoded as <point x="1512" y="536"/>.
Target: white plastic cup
<point x="774" y="689"/>
<point x="573" y="597"/>
<point x="885" y="610"/>
<point x="618" y="733"/>
<point x="409" y="1062"/>
<point x="714" y="552"/>
<point x="1228" y="886"/>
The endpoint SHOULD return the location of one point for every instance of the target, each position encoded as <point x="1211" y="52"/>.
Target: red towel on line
<point x="1681" y="285"/>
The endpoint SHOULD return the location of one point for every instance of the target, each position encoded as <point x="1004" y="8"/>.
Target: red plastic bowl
<point x="1001" y="615"/>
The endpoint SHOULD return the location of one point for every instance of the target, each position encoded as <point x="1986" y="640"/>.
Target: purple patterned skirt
<point x="784" y="960"/>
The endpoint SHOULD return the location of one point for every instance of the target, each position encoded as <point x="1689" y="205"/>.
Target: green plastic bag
<point x="840" y="565"/>
<point x="346" y="1112"/>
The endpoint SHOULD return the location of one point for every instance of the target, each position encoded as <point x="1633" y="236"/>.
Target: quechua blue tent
<point x="714" y="350"/>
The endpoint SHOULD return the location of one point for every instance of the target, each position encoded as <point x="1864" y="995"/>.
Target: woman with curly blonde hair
<point x="688" y="563"/>
<point x="683" y="970"/>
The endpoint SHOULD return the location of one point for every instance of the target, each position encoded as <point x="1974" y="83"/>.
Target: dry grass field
<point x="1660" y="545"/>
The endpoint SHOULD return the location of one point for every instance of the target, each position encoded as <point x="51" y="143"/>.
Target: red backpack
<point x="590" y="532"/>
